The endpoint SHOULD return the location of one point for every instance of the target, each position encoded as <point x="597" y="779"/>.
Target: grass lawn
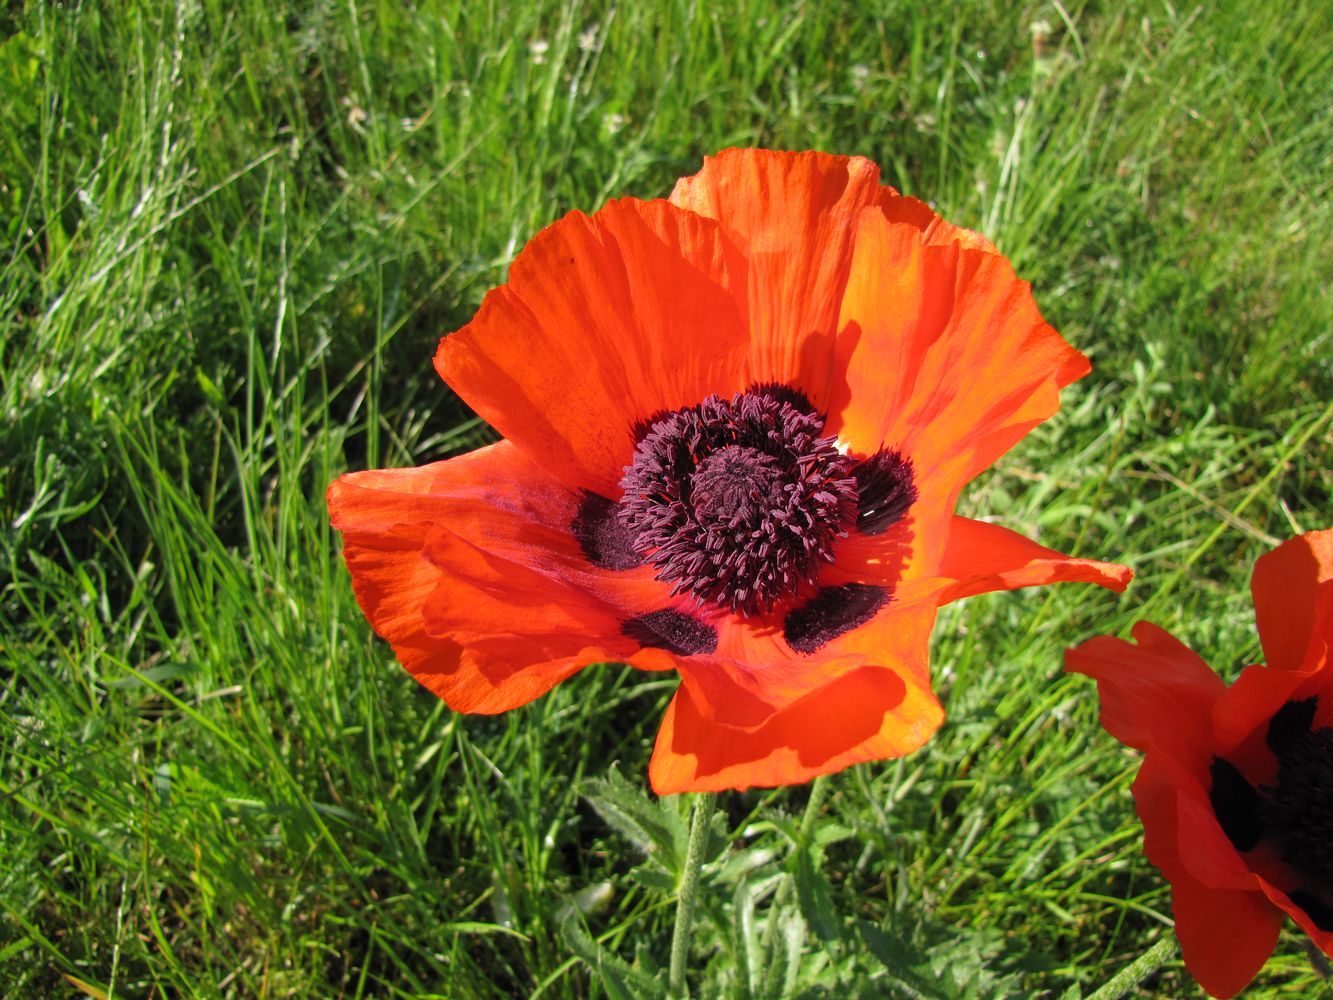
<point x="234" y="231"/>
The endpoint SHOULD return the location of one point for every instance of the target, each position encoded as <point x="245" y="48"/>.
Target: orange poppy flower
<point x="1236" y="787"/>
<point x="735" y="426"/>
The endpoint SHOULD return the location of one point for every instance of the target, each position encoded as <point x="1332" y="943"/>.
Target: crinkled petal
<point x="605" y="320"/>
<point x="763" y="663"/>
<point x="945" y="354"/>
<point x="793" y="216"/>
<point x="469" y="568"/>
<point x="755" y="674"/>
<point x="983" y="557"/>
<point x="1156" y="696"/>
<point x="934" y="230"/>
<point x="1286" y="584"/>
<point x="869" y="713"/>
<point x="1181" y="834"/>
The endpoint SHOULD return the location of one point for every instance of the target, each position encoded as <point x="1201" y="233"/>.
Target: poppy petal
<point x="981" y="557"/>
<point x="470" y="569"/>
<point x="1261" y="691"/>
<point x="763" y="677"/>
<point x="869" y="713"/>
<point x="1320" y="930"/>
<point x="794" y="217"/>
<point x="1226" y="935"/>
<point x="756" y="674"/>
<point x="1181" y="833"/>
<point x="1156" y="696"/>
<point x="605" y="320"/>
<point x="934" y="230"/>
<point x="946" y="356"/>
<point x="1251" y="701"/>
<point x="1206" y="851"/>
<point x="1156" y="793"/>
<point x="1285" y="584"/>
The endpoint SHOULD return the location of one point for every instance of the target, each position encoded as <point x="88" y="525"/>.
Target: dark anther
<point x="644" y="425"/>
<point x="672" y="630"/>
<point x="785" y="394"/>
<point x="1236" y="804"/>
<point x="606" y="542"/>
<point x="1315" y="908"/>
<point x="885" y="489"/>
<point x="832" y="612"/>
<point x="1290" y="722"/>
<point x="1300" y="806"/>
<point x="739" y="501"/>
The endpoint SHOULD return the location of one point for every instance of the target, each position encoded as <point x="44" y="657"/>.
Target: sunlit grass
<point x="234" y="233"/>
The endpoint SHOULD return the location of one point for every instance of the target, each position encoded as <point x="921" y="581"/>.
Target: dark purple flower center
<point x="1295" y="813"/>
<point x="1300" y="805"/>
<point x="739" y="501"/>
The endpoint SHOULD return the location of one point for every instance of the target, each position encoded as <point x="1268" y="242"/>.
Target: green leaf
<point x="832" y="833"/>
<point x="791" y="932"/>
<point x="654" y="878"/>
<point x="814" y="896"/>
<point x="739" y="866"/>
<point x="656" y="828"/>
<point x="620" y="979"/>
<point x="747" y="942"/>
<point x="910" y="974"/>
<point x="480" y="927"/>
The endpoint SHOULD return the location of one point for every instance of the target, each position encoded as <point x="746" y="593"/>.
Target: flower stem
<point x="689" y="884"/>
<point x="1138" y="970"/>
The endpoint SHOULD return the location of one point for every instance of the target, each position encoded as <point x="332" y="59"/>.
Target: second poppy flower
<point x="736" y="424"/>
<point x="1236" y="787"/>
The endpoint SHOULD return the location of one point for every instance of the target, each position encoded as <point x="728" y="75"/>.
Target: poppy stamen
<point x="1300" y="805"/>
<point x="1296" y="812"/>
<point x="739" y="502"/>
<point x="1289" y="723"/>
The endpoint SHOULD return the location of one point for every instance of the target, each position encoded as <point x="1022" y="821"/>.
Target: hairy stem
<point x="689" y="884"/>
<point x="1138" y="970"/>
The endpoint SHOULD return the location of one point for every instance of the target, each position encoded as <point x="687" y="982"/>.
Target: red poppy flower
<point x="735" y="426"/>
<point x="1236" y="787"/>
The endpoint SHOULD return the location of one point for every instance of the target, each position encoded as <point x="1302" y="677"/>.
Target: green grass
<point x="234" y="232"/>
